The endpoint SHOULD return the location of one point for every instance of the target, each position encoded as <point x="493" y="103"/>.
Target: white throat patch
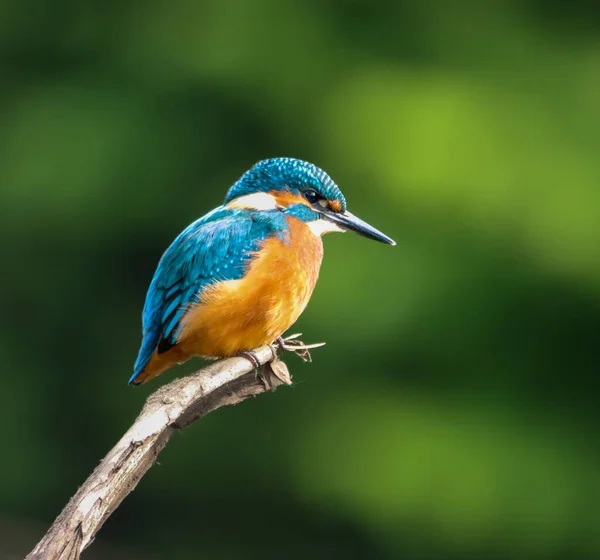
<point x="321" y="227"/>
<point x="255" y="201"/>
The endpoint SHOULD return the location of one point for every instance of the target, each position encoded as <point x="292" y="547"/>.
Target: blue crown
<point x="285" y="174"/>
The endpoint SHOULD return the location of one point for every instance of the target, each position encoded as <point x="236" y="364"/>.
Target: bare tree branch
<point x="172" y="407"/>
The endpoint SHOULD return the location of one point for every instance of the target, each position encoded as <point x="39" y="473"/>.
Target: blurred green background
<point x="453" y="414"/>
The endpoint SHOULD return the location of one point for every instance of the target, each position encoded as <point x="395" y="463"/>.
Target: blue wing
<point x="215" y="248"/>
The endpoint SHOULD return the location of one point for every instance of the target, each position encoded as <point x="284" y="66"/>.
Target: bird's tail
<point x="155" y="365"/>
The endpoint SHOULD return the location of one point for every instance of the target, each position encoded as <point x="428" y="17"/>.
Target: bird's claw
<point x="292" y="344"/>
<point x="263" y="372"/>
<point x="251" y="357"/>
<point x="276" y="367"/>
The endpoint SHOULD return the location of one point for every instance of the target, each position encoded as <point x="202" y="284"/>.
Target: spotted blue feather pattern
<point x="288" y="174"/>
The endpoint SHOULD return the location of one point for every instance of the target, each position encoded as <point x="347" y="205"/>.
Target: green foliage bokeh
<point x="453" y="413"/>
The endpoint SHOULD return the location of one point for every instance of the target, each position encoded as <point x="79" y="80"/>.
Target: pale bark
<point x="172" y="407"/>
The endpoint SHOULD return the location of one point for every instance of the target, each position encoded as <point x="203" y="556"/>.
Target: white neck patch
<point x="321" y="227"/>
<point x="255" y="201"/>
<point x="266" y="201"/>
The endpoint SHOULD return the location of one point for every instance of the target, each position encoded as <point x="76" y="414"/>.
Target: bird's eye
<point x="311" y="195"/>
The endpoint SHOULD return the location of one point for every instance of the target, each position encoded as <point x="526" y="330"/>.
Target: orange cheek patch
<point x="285" y="198"/>
<point x="335" y="205"/>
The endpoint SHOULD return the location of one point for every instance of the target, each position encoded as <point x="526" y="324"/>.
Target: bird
<point x="240" y="276"/>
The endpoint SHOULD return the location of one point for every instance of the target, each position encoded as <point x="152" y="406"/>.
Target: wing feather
<point x="215" y="248"/>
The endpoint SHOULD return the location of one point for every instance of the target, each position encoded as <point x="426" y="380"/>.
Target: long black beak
<point x="350" y="222"/>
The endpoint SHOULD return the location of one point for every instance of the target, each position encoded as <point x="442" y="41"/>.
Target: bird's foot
<point x="264" y="371"/>
<point x="251" y="357"/>
<point x="292" y="344"/>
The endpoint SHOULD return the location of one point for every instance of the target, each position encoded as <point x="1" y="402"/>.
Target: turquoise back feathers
<point x="213" y="249"/>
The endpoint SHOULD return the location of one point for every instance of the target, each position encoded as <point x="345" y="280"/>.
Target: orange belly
<point x="239" y="315"/>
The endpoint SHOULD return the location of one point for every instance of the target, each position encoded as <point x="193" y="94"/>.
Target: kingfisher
<point x="241" y="275"/>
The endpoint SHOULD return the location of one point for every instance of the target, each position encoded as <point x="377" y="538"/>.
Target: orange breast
<point x="241" y="314"/>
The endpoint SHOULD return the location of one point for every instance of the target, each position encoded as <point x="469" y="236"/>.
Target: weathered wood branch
<point x="170" y="408"/>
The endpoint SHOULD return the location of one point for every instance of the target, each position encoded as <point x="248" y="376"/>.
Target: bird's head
<point x="301" y="190"/>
